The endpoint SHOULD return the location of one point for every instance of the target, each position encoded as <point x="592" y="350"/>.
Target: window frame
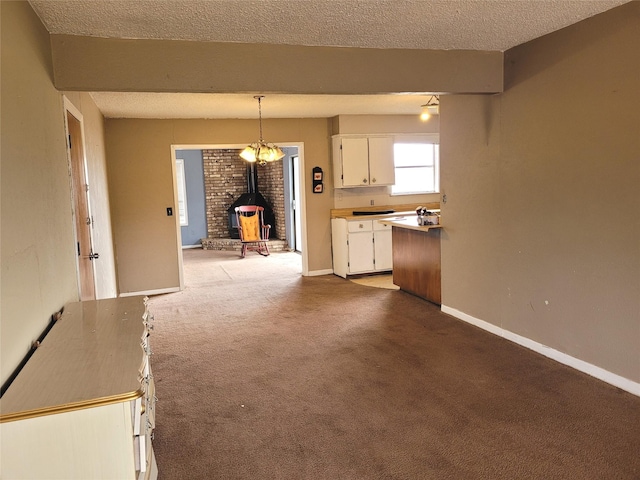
<point x="181" y="183"/>
<point x="431" y="139"/>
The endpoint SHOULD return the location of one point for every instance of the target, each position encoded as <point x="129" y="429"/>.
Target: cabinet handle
<point x="364" y="180"/>
<point x="373" y="180"/>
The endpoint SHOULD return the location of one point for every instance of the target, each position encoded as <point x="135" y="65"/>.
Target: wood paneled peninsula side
<point x="416" y="256"/>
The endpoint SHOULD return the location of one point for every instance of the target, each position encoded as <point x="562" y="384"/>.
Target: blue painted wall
<point x="194" y="179"/>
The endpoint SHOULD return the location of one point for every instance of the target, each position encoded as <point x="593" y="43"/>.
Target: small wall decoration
<point x="318" y="186"/>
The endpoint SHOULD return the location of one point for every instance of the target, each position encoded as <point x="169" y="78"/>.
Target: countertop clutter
<point x="407" y="220"/>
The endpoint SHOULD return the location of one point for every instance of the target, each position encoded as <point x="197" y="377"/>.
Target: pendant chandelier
<point x="261" y="152"/>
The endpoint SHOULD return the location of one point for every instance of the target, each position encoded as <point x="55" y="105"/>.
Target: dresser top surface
<point x="93" y="355"/>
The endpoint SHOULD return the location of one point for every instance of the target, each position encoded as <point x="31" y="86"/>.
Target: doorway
<point x="191" y="197"/>
<point x="292" y="212"/>
<point x="83" y="220"/>
<point x="295" y="214"/>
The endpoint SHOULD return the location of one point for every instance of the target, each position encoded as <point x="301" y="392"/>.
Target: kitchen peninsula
<point x="371" y="240"/>
<point x="416" y="256"/>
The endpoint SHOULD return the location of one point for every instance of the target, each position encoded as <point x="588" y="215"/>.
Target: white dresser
<point x="83" y="407"/>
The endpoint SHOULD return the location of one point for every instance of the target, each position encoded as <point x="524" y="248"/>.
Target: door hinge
<point x="69" y="143"/>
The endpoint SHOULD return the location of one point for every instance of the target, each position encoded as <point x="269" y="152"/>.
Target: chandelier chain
<point x="259" y="97"/>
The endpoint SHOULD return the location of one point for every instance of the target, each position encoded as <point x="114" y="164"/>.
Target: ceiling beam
<point x="121" y="65"/>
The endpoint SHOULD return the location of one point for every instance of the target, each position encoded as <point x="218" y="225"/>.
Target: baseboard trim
<point x="585" y="367"/>
<point x="317" y="273"/>
<point x="151" y="292"/>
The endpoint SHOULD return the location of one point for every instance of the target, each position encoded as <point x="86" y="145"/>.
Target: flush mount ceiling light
<point x="261" y="152"/>
<point x="432" y="107"/>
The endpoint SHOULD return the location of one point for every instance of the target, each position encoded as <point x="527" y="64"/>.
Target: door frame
<point x="70" y="108"/>
<point x="303" y="201"/>
<point x="296" y="214"/>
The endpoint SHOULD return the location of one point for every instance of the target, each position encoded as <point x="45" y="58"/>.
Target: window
<point x="417" y="167"/>
<point x="182" y="192"/>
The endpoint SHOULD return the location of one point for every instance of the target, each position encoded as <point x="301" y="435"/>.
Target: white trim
<point x="317" y="273"/>
<point x="188" y="247"/>
<point x="181" y="184"/>
<point x="302" y="175"/>
<point x="585" y="367"/>
<point x="160" y="291"/>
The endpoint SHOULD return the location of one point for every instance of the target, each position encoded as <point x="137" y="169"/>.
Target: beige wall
<point x="542" y="218"/>
<point x="141" y="187"/>
<point x="38" y="263"/>
<point x="39" y="273"/>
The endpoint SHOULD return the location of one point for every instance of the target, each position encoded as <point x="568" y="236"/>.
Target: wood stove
<point x="251" y="197"/>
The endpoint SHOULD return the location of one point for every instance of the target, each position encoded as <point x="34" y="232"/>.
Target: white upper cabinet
<point x="363" y="161"/>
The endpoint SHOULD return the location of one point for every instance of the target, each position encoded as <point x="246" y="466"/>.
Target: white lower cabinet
<point x="360" y="246"/>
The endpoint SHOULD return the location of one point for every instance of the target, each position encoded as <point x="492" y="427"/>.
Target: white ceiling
<point x="495" y="25"/>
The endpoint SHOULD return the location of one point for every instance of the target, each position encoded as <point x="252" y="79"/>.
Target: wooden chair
<point x="254" y="234"/>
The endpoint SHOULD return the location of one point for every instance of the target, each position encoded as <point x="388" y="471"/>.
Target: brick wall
<point x="225" y="179"/>
<point x="271" y="186"/>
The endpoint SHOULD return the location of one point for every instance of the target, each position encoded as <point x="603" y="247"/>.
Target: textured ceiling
<point x="495" y="25"/>
<point x="206" y="105"/>
<point x="427" y="24"/>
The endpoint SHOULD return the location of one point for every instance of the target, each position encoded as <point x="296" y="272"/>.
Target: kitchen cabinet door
<point x="360" y="252"/>
<point x="383" y="251"/>
<point x="381" y="166"/>
<point x="355" y="162"/>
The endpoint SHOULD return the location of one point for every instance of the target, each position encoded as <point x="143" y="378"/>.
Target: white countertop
<point x="409" y="220"/>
